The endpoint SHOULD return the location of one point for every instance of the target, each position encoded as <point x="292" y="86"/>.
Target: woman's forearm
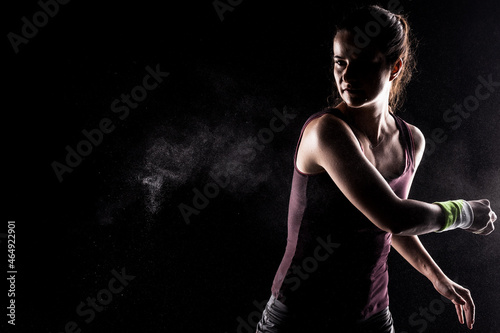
<point x="414" y="252"/>
<point x="412" y="217"/>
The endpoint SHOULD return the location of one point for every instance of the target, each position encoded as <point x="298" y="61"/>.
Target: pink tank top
<point x="335" y="257"/>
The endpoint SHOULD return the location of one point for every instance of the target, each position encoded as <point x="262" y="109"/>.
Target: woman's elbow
<point x="394" y="223"/>
<point x="396" y="230"/>
<point x="392" y="228"/>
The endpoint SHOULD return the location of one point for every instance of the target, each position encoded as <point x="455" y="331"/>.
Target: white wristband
<point x="465" y="219"/>
<point x="459" y="214"/>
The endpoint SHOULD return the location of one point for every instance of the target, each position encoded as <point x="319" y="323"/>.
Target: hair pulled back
<point x="390" y="33"/>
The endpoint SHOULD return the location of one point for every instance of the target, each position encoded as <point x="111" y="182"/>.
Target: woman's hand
<point x="460" y="296"/>
<point x="484" y="217"/>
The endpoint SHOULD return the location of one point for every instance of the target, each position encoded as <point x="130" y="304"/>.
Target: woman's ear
<point x="398" y="66"/>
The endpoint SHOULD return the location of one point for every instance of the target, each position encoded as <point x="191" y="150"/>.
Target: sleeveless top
<point x="335" y="258"/>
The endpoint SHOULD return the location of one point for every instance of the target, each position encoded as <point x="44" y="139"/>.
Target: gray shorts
<point x="276" y="318"/>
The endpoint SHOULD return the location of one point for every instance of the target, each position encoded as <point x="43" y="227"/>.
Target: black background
<point x="225" y="79"/>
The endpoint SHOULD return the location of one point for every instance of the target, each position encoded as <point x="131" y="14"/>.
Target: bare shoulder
<point x="322" y="136"/>
<point x="328" y="131"/>
<point x="325" y="126"/>
<point x="331" y="133"/>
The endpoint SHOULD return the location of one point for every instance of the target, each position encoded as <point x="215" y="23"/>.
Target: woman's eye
<point x="340" y="62"/>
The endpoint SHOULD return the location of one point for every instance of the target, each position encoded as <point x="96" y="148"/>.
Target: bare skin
<point x="330" y="145"/>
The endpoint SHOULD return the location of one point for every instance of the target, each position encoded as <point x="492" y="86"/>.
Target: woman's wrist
<point x="434" y="274"/>
<point x="458" y="214"/>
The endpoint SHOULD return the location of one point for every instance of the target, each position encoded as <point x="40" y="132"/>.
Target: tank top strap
<point x="341" y="115"/>
<point x="408" y="142"/>
<point x="311" y="118"/>
<point x="407" y="136"/>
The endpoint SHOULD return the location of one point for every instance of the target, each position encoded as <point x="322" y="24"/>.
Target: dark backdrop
<point x="119" y="208"/>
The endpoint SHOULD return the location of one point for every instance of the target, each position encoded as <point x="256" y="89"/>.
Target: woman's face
<point x="362" y="75"/>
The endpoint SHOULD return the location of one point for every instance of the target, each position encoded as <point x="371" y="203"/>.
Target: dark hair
<point x="394" y="40"/>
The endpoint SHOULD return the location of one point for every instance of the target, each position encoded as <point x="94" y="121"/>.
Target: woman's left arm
<point x="414" y="252"/>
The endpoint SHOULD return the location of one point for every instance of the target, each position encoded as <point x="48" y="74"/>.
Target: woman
<point x="354" y="165"/>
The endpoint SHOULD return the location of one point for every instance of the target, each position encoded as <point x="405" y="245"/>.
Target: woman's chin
<point x="355" y="102"/>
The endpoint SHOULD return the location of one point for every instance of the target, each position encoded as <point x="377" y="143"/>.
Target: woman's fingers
<point x="484" y="217"/>
<point x="457" y="299"/>
<point x="461" y="297"/>
<point x="468" y="307"/>
<point x="490" y="226"/>
<point x="493" y="216"/>
<point x="460" y="313"/>
<point x="464" y="304"/>
<point x="469" y="314"/>
<point x="486" y="230"/>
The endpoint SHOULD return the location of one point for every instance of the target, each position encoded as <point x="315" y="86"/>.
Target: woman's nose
<point x="350" y="75"/>
<point x="349" y="72"/>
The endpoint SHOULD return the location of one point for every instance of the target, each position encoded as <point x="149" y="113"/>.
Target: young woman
<point x="354" y="165"/>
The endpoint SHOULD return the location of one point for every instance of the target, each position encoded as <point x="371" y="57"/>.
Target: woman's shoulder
<point x="325" y="136"/>
<point x="327" y="116"/>
<point x="325" y="119"/>
<point x="418" y="141"/>
<point x="417" y="134"/>
<point x="325" y="111"/>
<point x="327" y="126"/>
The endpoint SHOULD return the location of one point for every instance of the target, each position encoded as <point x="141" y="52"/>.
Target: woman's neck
<point x="373" y="120"/>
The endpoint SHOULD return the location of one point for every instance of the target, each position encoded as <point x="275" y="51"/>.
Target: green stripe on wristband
<point x="452" y="210"/>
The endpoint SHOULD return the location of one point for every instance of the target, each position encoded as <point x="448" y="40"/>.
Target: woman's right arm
<point x="330" y="144"/>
